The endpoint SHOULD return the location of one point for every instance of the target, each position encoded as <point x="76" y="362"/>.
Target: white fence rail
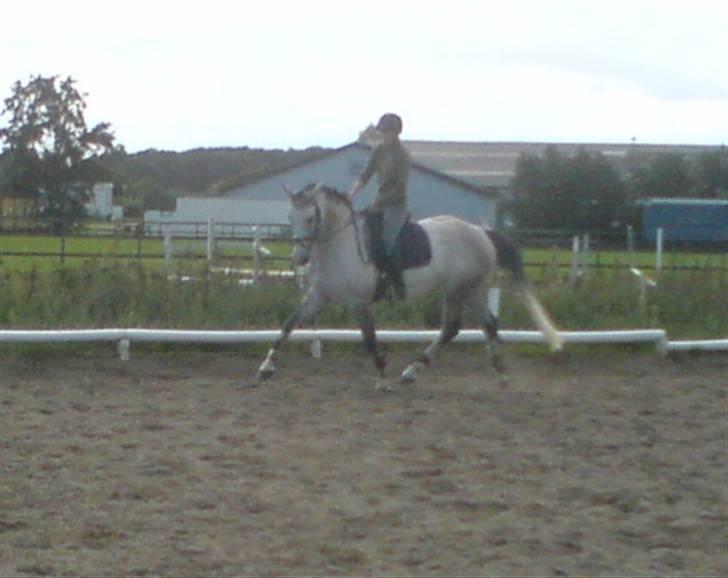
<point x="124" y="337"/>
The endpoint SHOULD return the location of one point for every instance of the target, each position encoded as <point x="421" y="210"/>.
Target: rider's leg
<point x="393" y="219"/>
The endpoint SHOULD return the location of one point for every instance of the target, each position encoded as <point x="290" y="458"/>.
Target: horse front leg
<point x="365" y="318"/>
<point x="303" y="314"/>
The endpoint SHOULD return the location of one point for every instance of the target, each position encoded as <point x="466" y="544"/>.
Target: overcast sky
<point x="299" y="73"/>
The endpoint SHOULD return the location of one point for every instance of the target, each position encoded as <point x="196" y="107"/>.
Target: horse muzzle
<point x="301" y="253"/>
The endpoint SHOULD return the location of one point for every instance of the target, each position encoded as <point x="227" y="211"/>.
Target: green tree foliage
<point x="202" y="171"/>
<point x="50" y="152"/>
<point x="710" y="175"/>
<point x="664" y="176"/>
<point x="153" y="179"/>
<point x="584" y="192"/>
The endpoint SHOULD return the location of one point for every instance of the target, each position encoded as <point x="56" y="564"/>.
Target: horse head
<point x="316" y="210"/>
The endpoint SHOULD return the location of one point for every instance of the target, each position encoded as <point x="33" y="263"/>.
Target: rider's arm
<point x="363" y="179"/>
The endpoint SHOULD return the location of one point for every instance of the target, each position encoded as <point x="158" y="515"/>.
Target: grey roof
<point x="493" y="164"/>
<point x="487" y="167"/>
<point x="468" y="184"/>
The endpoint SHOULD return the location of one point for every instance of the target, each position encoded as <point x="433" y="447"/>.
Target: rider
<point x="391" y="162"/>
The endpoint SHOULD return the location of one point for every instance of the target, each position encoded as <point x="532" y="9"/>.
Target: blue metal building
<point x="686" y="221"/>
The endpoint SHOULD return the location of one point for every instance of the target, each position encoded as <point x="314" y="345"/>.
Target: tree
<point x="667" y="175"/>
<point x="710" y="175"/>
<point x="52" y="154"/>
<point x="583" y="193"/>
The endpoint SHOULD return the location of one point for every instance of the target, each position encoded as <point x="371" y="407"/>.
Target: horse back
<point x="461" y="251"/>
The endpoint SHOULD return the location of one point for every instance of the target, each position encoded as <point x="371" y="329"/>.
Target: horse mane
<point x="331" y="194"/>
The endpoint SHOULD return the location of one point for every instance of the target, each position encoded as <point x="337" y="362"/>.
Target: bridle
<point x="308" y="242"/>
<point x="316" y="236"/>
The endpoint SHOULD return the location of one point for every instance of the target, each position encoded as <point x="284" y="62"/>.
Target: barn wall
<point x="428" y="194"/>
<point x="191" y="211"/>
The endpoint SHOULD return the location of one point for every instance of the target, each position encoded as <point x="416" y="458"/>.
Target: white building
<point x="231" y="216"/>
<point x="101" y="205"/>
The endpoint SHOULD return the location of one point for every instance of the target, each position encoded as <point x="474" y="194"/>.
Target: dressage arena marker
<point x="124" y="337"/>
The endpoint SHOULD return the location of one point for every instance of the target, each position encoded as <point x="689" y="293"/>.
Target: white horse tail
<point x="541" y="318"/>
<point x="509" y="258"/>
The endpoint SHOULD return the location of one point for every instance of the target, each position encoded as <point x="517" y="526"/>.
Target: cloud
<point x="285" y="73"/>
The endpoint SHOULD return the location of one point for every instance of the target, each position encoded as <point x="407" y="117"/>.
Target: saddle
<point x="413" y="245"/>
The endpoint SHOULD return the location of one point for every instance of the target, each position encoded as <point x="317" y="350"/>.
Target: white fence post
<point x="168" y="247"/>
<point x="256" y="254"/>
<point x="494" y="300"/>
<point x="658" y="257"/>
<point x="259" y="254"/>
<point x="123" y="348"/>
<point x="630" y="244"/>
<point x="316" y="352"/>
<point x="210" y="240"/>
<point x="574" y="271"/>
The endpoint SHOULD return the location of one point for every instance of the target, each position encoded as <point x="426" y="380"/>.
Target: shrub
<point x="98" y="294"/>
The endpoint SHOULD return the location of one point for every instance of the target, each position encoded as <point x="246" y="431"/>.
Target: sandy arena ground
<point x="600" y="463"/>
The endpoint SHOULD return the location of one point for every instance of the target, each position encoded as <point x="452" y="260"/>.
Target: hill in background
<point x="152" y="179"/>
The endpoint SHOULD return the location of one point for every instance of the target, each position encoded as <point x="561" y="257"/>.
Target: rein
<point x="318" y="238"/>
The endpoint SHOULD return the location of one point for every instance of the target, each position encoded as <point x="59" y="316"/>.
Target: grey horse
<point x="328" y="236"/>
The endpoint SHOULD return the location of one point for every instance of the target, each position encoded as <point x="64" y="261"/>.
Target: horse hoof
<point x="383" y="386"/>
<point x="263" y="375"/>
<point x="406" y="379"/>
<point x="408" y="376"/>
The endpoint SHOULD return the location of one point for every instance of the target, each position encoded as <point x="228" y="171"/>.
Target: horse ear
<point x="288" y="191"/>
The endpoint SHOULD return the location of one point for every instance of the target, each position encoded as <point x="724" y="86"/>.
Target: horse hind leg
<point x="451" y="322"/>
<point x="488" y="322"/>
<point x="365" y="318"/>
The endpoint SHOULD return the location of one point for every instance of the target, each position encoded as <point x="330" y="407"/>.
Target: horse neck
<point x="337" y="229"/>
<point x="334" y="216"/>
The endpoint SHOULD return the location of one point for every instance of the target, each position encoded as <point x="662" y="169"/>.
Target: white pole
<point x="168" y="247"/>
<point x="210" y="240"/>
<point x="659" y="241"/>
<point x="585" y="248"/>
<point x="256" y="254"/>
<point x="574" y="259"/>
<point x="630" y="244"/>
<point x="123" y="348"/>
<point x="494" y="300"/>
<point x="316" y="349"/>
<point x="343" y="335"/>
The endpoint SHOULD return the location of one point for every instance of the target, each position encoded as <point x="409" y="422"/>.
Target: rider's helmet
<point x="390" y="122"/>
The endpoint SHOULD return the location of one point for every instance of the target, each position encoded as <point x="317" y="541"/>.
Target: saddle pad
<point x="414" y="246"/>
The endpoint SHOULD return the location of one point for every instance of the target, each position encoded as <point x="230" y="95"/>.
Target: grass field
<point x="26" y="252"/>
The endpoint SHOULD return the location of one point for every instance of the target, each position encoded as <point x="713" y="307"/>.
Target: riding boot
<point x="394" y="271"/>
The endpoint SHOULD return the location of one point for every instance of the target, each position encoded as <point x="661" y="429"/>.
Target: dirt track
<point x="163" y="466"/>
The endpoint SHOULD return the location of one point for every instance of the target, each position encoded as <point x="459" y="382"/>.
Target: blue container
<point x="698" y="221"/>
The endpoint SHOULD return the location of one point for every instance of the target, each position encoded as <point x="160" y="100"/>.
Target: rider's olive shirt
<point x="391" y="162"/>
